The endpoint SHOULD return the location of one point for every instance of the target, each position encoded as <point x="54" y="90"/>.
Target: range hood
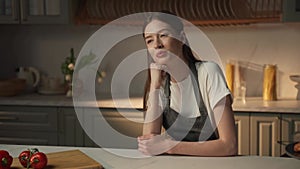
<point x="198" y="12"/>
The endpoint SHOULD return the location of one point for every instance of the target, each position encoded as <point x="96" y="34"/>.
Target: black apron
<point x="184" y="128"/>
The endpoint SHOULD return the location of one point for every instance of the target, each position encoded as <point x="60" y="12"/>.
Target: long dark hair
<point x="175" y="22"/>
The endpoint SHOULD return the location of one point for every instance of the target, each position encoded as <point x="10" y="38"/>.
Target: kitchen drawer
<point x="28" y="118"/>
<point x="28" y="137"/>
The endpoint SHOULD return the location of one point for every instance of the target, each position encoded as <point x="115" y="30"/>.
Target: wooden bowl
<point x="12" y="87"/>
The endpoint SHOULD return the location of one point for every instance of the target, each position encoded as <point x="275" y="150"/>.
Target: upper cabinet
<point x="198" y="12"/>
<point x="291" y="10"/>
<point x="35" y="11"/>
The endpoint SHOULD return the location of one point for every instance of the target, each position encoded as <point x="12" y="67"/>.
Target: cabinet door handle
<point x="8" y="118"/>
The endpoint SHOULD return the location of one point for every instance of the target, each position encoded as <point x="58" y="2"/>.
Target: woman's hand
<point x="153" y="144"/>
<point x="157" y="72"/>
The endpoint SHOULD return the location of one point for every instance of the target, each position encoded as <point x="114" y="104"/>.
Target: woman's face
<point x="162" y="42"/>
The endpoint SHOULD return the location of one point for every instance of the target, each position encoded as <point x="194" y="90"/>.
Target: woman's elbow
<point x="231" y="147"/>
<point x="233" y="150"/>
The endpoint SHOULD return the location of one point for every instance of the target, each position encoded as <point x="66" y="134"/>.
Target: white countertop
<point x="252" y="104"/>
<point x="257" y="104"/>
<point x="63" y="101"/>
<point x="109" y="160"/>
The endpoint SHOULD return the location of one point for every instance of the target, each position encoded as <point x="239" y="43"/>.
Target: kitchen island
<point x="109" y="160"/>
<point x="264" y="128"/>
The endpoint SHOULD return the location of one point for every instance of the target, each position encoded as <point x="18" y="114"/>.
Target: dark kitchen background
<point x="273" y="38"/>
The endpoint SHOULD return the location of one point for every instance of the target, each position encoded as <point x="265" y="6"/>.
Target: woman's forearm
<point x="153" y="116"/>
<point x="152" y="128"/>
<point x="208" y="148"/>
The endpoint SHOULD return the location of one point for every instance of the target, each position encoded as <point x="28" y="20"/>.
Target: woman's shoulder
<point x="208" y="67"/>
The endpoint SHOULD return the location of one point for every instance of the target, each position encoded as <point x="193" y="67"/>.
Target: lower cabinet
<point x="112" y="128"/>
<point x="242" y="125"/>
<point x="28" y="125"/>
<point x="266" y="134"/>
<point x="28" y="137"/>
<point x="290" y="130"/>
<point x="258" y="133"/>
<point x="70" y="131"/>
<point x="34" y="125"/>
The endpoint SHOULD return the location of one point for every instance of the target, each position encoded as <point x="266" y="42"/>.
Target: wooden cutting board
<point x="66" y="160"/>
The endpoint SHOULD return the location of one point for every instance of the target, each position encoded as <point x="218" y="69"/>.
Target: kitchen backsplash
<point x="46" y="46"/>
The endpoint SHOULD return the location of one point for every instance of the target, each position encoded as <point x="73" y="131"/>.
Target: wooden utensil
<point x="66" y="160"/>
<point x="12" y="87"/>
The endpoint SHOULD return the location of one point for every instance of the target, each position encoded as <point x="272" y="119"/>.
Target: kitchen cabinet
<point x="70" y="132"/>
<point x="202" y="13"/>
<point x="290" y="129"/>
<point x="28" y="125"/>
<point x="242" y="125"/>
<point x="127" y="122"/>
<point x="264" y="134"/>
<point x="28" y="137"/>
<point x="35" y="11"/>
<point x="34" y="125"/>
<point x="52" y="120"/>
<point x="60" y="126"/>
<point x="258" y="133"/>
<point x="291" y="11"/>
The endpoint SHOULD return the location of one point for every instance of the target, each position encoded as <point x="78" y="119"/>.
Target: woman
<point x="188" y="97"/>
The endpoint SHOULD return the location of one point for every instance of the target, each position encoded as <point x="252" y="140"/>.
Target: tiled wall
<point x="46" y="46"/>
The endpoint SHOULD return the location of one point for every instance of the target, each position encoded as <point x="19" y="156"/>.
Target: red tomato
<point x="5" y="160"/>
<point x="24" y="158"/>
<point x="38" y="160"/>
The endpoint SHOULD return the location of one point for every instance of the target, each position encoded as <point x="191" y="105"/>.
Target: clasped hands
<point x="153" y="144"/>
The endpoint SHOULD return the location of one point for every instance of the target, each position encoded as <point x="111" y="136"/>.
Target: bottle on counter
<point x="269" y="82"/>
<point x="236" y="80"/>
<point x="230" y="71"/>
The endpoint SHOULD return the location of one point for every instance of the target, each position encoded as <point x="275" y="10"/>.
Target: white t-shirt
<point x="213" y="88"/>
